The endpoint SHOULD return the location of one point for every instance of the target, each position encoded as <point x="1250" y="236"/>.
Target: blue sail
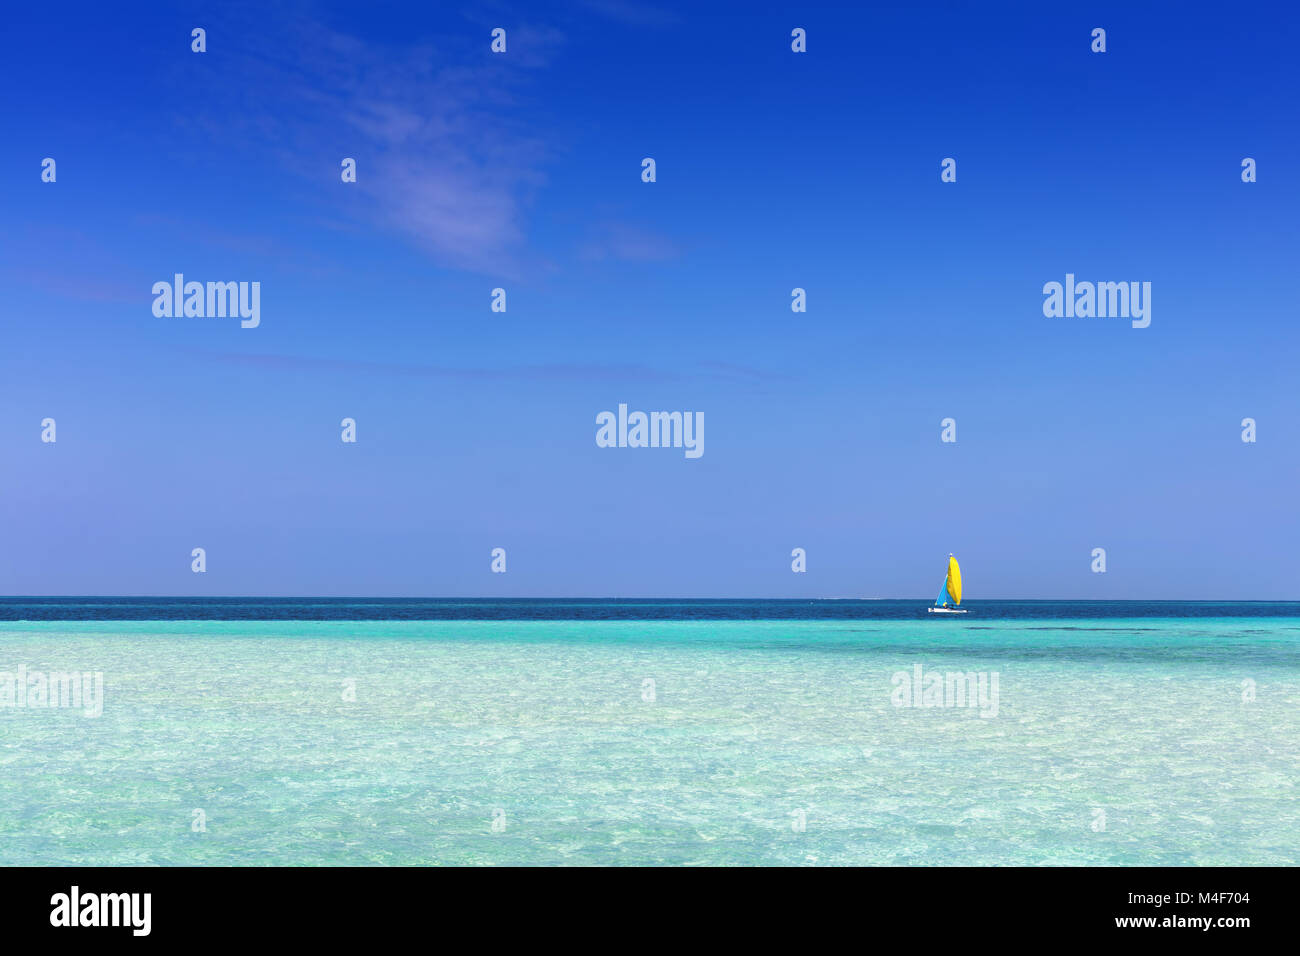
<point x="942" y="599"/>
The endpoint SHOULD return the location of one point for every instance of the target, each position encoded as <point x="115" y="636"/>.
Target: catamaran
<point x="950" y="594"/>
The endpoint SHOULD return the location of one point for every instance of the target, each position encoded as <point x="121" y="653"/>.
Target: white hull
<point x="946" y="610"/>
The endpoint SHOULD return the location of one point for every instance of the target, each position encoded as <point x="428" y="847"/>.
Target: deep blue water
<point x="597" y="609"/>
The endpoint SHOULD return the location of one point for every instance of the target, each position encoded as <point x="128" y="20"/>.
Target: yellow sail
<point x="954" y="580"/>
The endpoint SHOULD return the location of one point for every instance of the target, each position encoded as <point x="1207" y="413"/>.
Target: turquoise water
<point x="753" y="726"/>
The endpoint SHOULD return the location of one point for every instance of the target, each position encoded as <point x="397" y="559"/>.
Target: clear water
<point x="1140" y="717"/>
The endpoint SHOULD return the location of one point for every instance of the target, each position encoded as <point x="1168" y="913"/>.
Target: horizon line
<point x="357" y="597"/>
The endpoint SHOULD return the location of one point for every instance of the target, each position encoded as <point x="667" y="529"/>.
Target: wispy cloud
<point x="66" y="263"/>
<point x="558" y="371"/>
<point x="633" y="13"/>
<point x="444" y="150"/>
<point x="628" y="243"/>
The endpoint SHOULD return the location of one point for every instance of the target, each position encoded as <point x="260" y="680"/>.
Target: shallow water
<point x="547" y="726"/>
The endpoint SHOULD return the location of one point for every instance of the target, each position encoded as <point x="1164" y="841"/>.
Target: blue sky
<point x="775" y="170"/>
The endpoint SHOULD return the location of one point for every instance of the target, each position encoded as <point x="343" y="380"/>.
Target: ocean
<point x="253" y="731"/>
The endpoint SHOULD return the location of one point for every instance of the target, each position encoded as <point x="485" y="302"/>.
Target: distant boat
<point x="950" y="594"/>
